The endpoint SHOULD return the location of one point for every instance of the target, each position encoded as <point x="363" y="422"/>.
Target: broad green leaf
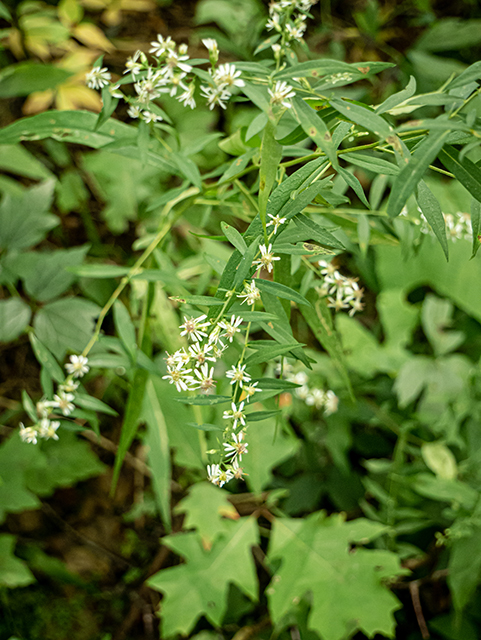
<point x="412" y="378"/>
<point x="445" y="490"/>
<point x="15" y="315"/>
<point x="464" y="568"/>
<point x="200" y="586"/>
<point x="203" y="400"/>
<point x="281" y="291"/>
<point x="24" y="221"/>
<point x="4" y="12"/>
<point x="264" y="354"/>
<point x="46" y="359"/>
<point x="440" y="460"/>
<point x="347" y="587"/>
<point x="157" y="439"/>
<point x="450" y="34"/>
<point x="371" y="163"/>
<point x="67" y="126"/>
<point x="363" y="117"/>
<point x="410" y="175"/>
<point x="433" y="213"/>
<point x="315" y="127"/>
<point x="398" y="98"/>
<point x="65" y="324"/>
<point x="132" y="419"/>
<point x="186" y="167"/>
<point x="437" y="317"/>
<point x="125" y="329"/>
<point x="204" y="498"/>
<point x="24" y="78"/>
<point x="234" y="237"/>
<point x="15" y="458"/>
<point x="13" y="572"/>
<point x="16" y="159"/>
<point x="476" y="225"/>
<point x="468" y="174"/>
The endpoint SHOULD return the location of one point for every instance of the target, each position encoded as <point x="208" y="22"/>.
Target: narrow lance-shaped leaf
<point x="46" y="359"/>
<point x="468" y="174"/>
<point x="234" y="237"/>
<point x="125" y="328"/>
<point x="476" y="224"/>
<point x="433" y="214"/>
<point x="355" y="185"/>
<point x="398" y="98"/>
<point x="281" y="291"/>
<point x="271" y="153"/>
<point x="316" y="128"/>
<point x="411" y="174"/>
<point x="363" y="117"/>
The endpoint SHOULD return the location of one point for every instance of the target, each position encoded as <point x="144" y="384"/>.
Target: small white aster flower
<point x="327" y="268"/>
<point x="215" y="95"/>
<point x="236" y="448"/>
<point x="77" y="367"/>
<point x="302" y="392"/>
<point x="148" y="117"/>
<point x="161" y="45"/>
<point x="64" y="402"/>
<point x="224" y="476"/>
<point x="267" y="258"/>
<point x="44" y="408"/>
<point x="187" y="97"/>
<point x="179" y="377"/>
<point x="277" y="221"/>
<point x="230" y="328"/>
<point x="28" y="434"/>
<point x="250" y="294"/>
<point x="193" y="328"/>
<point x="235" y="414"/>
<point x="201" y="353"/>
<point x="134" y="111"/>
<point x="319" y="398"/>
<point x="281" y="94"/>
<point x="226" y="75"/>
<point x="213" y="472"/>
<point x="211" y="45"/>
<point x="175" y="61"/>
<point x="338" y="303"/>
<point x="251" y="389"/>
<point x="98" y="78"/>
<point x="132" y="66"/>
<point x="238" y="374"/>
<point x="331" y="403"/>
<point x="69" y="386"/>
<point x="238" y="471"/>
<point x="205" y="382"/>
<point x="48" y="429"/>
<point x="115" y="92"/>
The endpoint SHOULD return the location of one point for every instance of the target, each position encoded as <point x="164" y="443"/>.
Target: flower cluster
<point x="288" y="19"/>
<point x="170" y="73"/>
<point x="192" y="369"/>
<point x="312" y="396"/>
<point x="458" y="225"/>
<point x="342" y="293"/>
<point x="62" y="402"/>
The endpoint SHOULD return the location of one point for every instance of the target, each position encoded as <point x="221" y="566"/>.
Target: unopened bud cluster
<point x="325" y="400"/>
<point x="342" y="293"/>
<point x="288" y="19"/>
<point x="62" y="402"/>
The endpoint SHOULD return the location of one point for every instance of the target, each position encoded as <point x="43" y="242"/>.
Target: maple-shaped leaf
<point x="201" y="586"/>
<point x="345" y="583"/>
<point x="204" y="498"/>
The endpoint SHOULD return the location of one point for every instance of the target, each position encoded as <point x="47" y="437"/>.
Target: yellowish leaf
<point x="77" y="97"/>
<point x="38" y="101"/>
<point x="92" y="36"/>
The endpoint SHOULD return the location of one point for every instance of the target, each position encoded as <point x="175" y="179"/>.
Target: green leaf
<point x="318" y="233"/>
<point x="15" y="159"/>
<point x="201" y="301"/>
<point x="157" y="439"/>
<point x="450" y="34"/>
<point x="99" y="270"/>
<point x="46" y="359"/>
<point x="66" y="324"/>
<point x="476" y="225"/>
<point x="234" y="237"/>
<point x="398" y="98"/>
<point x="125" y="329"/>
<point x="204" y="498"/>
<point x="347" y="587"/>
<point x="275" y="383"/>
<point x="24" y="221"/>
<point x="264" y="354"/>
<point x="371" y="163"/>
<point x="271" y="154"/>
<point x="325" y="67"/>
<point x="464" y="568"/>
<point x="15" y="315"/>
<point x="24" y="78"/>
<point x="412" y="378"/>
<point x="258" y="95"/>
<point x="29" y="406"/>
<point x="245" y="264"/>
<point x="131" y="421"/>
<point x="440" y="460"/>
<point x="468" y="174"/>
<point x="205" y="426"/>
<point x="257" y="416"/>
<point x="257" y="316"/>
<point x="13" y="572"/>
<point x="281" y="291"/>
<point x="94" y="404"/>
<point x="187" y="168"/>
<point x="316" y="128"/>
<point x="67" y="126"/>
<point x="203" y="400"/>
<point x="437" y="316"/>
<point x="4" y="12"/>
<point x="472" y="73"/>
<point x="445" y="490"/>
<point x="411" y="174"/>
<point x="201" y="585"/>
<point x="351" y="180"/>
<point x="433" y="213"/>
<point x="363" y="117"/>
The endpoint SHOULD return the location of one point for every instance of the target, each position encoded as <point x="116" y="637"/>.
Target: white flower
<point x="115" y="92"/>
<point x="28" y="434"/>
<point x="224" y="476"/>
<point x="148" y="116"/>
<point x="276" y="221"/>
<point x="299" y="378"/>
<point x="176" y="82"/>
<point x="48" y="429"/>
<point x="211" y="45"/>
<point x="215" y="95"/>
<point x="44" y="408"/>
<point x="274" y="23"/>
<point x="318" y="398"/>
<point x="338" y="303"/>
<point x="295" y="31"/>
<point x="98" y="78"/>
<point x="250" y="294"/>
<point x="251" y="389"/>
<point x="327" y="268"/>
<point x="239" y="472"/>
<point x="200" y="353"/>
<point x="267" y="258"/>
<point x="281" y="94"/>
<point x="132" y="65"/>
<point x="187" y="98"/>
<point x="160" y="46"/>
<point x="192" y="328"/>
<point x="238" y="374"/>
<point x="302" y="393"/>
<point x="178" y="376"/>
<point x="205" y="380"/>
<point x="235" y="414"/>
<point x="213" y="472"/>
<point x="236" y="448"/>
<point x="77" y="367"/>
<point x="230" y="328"/>
<point x="331" y="402"/>
<point x="69" y="386"/>
<point x="64" y="402"/>
<point x="227" y="76"/>
<point x="175" y="61"/>
<point x="134" y="111"/>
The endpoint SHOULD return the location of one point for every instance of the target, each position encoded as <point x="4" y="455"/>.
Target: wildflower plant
<point x="293" y="193"/>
